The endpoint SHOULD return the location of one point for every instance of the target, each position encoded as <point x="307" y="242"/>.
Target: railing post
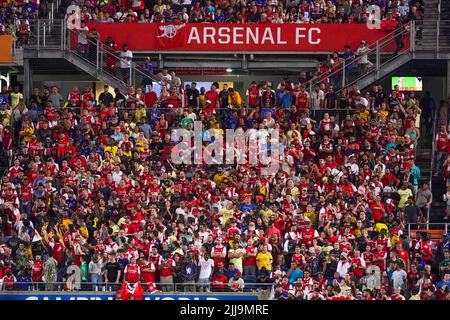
<point x="412" y="36"/>
<point x="62" y="35"/>
<point x="97" y="61"/>
<point x="52" y="14"/>
<point x="43" y="39"/>
<point x="377" y="59"/>
<point x="343" y="74"/>
<point x="101" y="58"/>
<point x="437" y="36"/>
<point x="38" y="33"/>
<point x="130" y="81"/>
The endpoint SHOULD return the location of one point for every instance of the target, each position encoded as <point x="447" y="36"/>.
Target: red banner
<point x="238" y="37"/>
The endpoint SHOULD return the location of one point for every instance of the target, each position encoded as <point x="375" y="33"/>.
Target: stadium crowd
<point x="258" y="11"/>
<point x="16" y="17"/>
<point x="92" y="187"/>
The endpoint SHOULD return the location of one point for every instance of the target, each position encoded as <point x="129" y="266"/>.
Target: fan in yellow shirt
<point x="227" y="213"/>
<point x="219" y="177"/>
<point x="264" y="259"/>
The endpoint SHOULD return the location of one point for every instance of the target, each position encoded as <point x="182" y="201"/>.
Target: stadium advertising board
<point x="239" y="37"/>
<point x="105" y="296"/>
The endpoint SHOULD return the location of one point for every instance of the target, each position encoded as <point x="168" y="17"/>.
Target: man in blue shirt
<point x="294" y="273"/>
<point x="247" y="206"/>
<point x="286" y="99"/>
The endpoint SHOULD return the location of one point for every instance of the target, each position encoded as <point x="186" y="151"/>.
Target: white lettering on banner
<point x="254" y="35"/>
<point x="193" y="35"/>
<point x="209" y="35"/>
<point x="310" y="36"/>
<point x="267" y="36"/>
<point x="300" y="34"/>
<point x="224" y="35"/>
<point x="279" y="37"/>
<point x="247" y="36"/>
<point x="236" y="35"/>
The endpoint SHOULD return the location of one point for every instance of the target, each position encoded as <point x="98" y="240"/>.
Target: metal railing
<point x="433" y="151"/>
<point x="106" y="60"/>
<point x="378" y="54"/>
<point x="443" y="226"/>
<point x="72" y="286"/>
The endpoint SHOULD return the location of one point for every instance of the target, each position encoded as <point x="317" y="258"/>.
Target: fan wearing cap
<point x="218" y="252"/>
<point x="236" y="283"/>
<point x="8" y="280"/>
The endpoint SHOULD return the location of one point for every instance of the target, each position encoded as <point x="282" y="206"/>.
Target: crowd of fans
<point x="258" y="11"/>
<point x="92" y="187"/>
<point x="16" y="16"/>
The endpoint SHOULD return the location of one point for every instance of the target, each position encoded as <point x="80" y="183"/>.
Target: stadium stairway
<point x="47" y="42"/>
<point x="432" y="19"/>
<point x="423" y="160"/>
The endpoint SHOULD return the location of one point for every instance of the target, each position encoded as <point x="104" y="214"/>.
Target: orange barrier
<point x="6" y="43"/>
<point x="434" y="234"/>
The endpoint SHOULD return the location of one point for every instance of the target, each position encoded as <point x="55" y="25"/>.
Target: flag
<point x="170" y="36"/>
<point x="36" y="236"/>
<point x="129" y="290"/>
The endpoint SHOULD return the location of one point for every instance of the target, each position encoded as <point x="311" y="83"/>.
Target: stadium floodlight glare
<point x="229" y="70"/>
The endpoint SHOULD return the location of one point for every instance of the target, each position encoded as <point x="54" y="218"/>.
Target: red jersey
<point x="50" y="113"/>
<point x="381" y="264"/>
<point x="75" y="96"/>
<point x="358" y="270"/>
<point x="132" y="273"/>
<point x="368" y="257"/>
<point x="250" y="260"/>
<point x="58" y="252"/>
<point x="150" y="99"/>
<point x="212" y="96"/>
<point x="299" y="259"/>
<point x="13" y="171"/>
<point x="156" y="260"/>
<point x="148" y="273"/>
<point x="166" y="269"/>
<point x="253" y="96"/>
<point x="425" y="249"/>
<point x="442" y="141"/>
<point x="302" y="100"/>
<point x="219" y="249"/>
<point x="37" y="271"/>
<point x="308" y="235"/>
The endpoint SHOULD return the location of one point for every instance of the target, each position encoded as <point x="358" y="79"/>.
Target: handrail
<point x="80" y="286"/>
<point x="102" y="53"/>
<point x="445" y="225"/>
<point x="377" y="50"/>
<point x="372" y="45"/>
<point x="433" y="151"/>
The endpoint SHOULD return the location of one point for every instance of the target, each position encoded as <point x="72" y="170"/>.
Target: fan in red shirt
<point x="148" y="275"/>
<point x="37" y="269"/>
<point x="131" y="288"/>
<point x="219" y="281"/>
<point x="379" y="257"/>
<point x="150" y="97"/>
<point x="302" y="98"/>
<point x="213" y="97"/>
<point x="218" y="252"/>
<point x="253" y="95"/>
<point x="74" y="96"/>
